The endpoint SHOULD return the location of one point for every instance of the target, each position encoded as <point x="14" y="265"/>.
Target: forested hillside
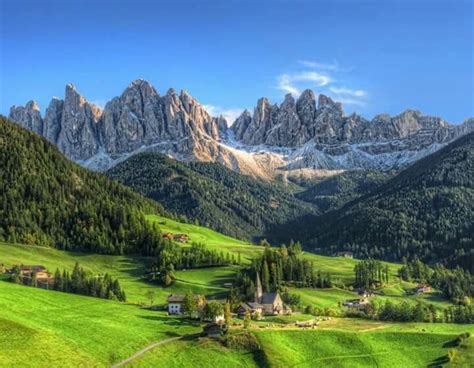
<point x="333" y="192"/>
<point x="215" y="196"/>
<point x="47" y="200"/>
<point x="427" y="210"/>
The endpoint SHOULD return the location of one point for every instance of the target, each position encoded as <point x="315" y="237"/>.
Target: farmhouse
<point x="356" y="303"/>
<point x="344" y="254"/>
<point x="364" y="293"/>
<point x="175" y="304"/>
<point x="167" y="236"/>
<point x="33" y="275"/>
<point x="423" y="288"/>
<point x="183" y="238"/>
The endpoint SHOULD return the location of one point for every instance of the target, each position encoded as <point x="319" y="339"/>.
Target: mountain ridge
<point x="287" y="138"/>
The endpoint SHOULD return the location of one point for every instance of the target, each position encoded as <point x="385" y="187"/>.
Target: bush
<point x="244" y="340"/>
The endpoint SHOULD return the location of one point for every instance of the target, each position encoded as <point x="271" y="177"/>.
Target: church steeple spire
<point x="258" y="289"/>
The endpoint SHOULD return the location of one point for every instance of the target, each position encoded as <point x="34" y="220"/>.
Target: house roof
<point x="254" y="305"/>
<point x="269" y="298"/>
<point x="174" y="298"/>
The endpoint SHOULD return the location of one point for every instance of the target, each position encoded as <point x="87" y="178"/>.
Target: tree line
<point x="79" y="281"/>
<point x="171" y="257"/>
<point x="457" y="284"/>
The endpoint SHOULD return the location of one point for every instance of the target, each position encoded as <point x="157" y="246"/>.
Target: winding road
<point x="148" y="348"/>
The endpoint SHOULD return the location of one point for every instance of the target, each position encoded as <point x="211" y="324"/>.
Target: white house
<point x="175" y="304"/>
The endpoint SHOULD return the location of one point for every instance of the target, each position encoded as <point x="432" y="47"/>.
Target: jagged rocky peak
<point x="294" y="124"/>
<point x="28" y="116"/>
<point x="78" y="137"/>
<point x="325" y="102"/>
<point x="52" y="119"/>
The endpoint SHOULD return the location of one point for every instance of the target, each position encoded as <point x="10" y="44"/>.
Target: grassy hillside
<point x="46" y="199"/>
<point x="369" y="348"/>
<point x="217" y="197"/>
<point x="335" y="343"/>
<point x="84" y="331"/>
<point x="427" y="210"/>
<point x="68" y="330"/>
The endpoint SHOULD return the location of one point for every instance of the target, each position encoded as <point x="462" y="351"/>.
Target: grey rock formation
<point x="78" y="138"/>
<point x="29" y="116"/>
<point x="52" y="120"/>
<point x="301" y="134"/>
<point x="139" y="117"/>
<point x="292" y="126"/>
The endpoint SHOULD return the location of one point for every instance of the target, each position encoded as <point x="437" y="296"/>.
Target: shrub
<point x="244" y="340"/>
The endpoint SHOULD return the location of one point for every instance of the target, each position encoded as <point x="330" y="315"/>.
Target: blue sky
<point x="375" y="56"/>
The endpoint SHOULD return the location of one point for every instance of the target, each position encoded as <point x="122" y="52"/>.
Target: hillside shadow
<point x="301" y="228"/>
<point x="439" y="362"/>
<point x="166" y="320"/>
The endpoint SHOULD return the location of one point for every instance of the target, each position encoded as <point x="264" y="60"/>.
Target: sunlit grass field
<point x="69" y="330"/>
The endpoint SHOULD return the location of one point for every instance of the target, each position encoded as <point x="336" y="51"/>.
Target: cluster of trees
<point x="415" y="270"/>
<point x="426" y="210"/>
<point x="370" y="273"/>
<point x="79" y="281"/>
<point x="457" y="284"/>
<point x="281" y="267"/>
<point x="459" y="314"/>
<point x="171" y="257"/>
<point x="47" y="200"/>
<point x="397" y="312"/>
<point x="195" y="306"/>
<point x="419" y="312"/>
<point x="210" y="194"/>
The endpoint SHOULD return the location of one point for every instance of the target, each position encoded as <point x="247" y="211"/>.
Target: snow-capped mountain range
<point x="304" y="135"/>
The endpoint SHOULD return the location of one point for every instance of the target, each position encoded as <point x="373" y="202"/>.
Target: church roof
<point x="269" y="298"/>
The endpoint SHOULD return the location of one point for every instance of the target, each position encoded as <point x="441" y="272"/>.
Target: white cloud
<point x="349" y="101"/>
<point x="334" y="67"/>
<point x="229" y="114"/>
<point x="348" y="92"/>
<point x="289" y="82"/>
<point x="326" y="78"/>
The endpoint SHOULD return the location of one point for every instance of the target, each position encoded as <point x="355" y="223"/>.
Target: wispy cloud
<point x="334" y="66"/>
<point x="289" y="82"/>
<point x="327" y="78"/>
<point x="348" y="91"/>
<point x="229" y="114"/>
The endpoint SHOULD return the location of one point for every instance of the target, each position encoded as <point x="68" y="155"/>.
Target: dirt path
<point x="148" y="348"/>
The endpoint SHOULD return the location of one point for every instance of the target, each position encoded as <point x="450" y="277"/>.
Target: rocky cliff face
<point x="295" y="124"/>
<point x="138" y="118"/>
<point x="306" y="133"/>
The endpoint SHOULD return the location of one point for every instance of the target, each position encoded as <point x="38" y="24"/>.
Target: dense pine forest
<point x="427" y="211"/>
<point x="333" y="192"/>
<point x="210" y="194"/>
<point x="47" y="200"/>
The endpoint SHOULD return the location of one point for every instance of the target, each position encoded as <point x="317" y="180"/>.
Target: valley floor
<point x="68" y="330"/>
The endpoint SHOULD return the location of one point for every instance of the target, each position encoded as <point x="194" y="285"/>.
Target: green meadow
<point x="69" y="330"/>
